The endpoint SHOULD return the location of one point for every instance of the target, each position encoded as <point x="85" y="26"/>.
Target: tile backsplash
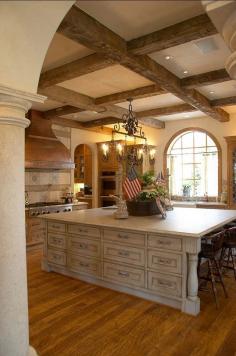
<point x="50" y="185"/>
<point x="46" y="186"/>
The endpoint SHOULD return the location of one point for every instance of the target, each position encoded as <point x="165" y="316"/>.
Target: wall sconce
<point x="119" y="152"/>
<point x="105" y="151"/>
<point x="140" y="153"/>
<point x="152" y="153"/>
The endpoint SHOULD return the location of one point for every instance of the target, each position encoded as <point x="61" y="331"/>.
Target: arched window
<point x="193" y="162"/>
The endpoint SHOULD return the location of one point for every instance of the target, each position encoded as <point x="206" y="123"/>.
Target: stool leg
<point x="220" y="277"/>
<point x="213" y="282"/>
<point x="233" y="262"/>
<point x="222" y="257"/>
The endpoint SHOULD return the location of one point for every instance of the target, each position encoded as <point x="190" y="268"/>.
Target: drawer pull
<point x="165" y="261"/>
<point x="163" y="242"/>
<point x="55" y="227"/>
<point x="82" y="264"/>
<point x="57" y="240"/>
<point x="123" y="274"/>
<point x="123" y="253"/>
<point x="122" y="236"/>
<point x="166" y="284"/>
<point x="83" y="246"/>
<point x="83" y="231"/>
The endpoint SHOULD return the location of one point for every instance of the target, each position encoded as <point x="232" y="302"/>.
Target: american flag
<point x="131" y="184"/>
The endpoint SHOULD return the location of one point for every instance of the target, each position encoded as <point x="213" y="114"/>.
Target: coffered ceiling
<point x="88" y="71"/>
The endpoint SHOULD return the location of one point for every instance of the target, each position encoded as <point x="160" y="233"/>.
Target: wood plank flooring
<point x="72" y="318"/>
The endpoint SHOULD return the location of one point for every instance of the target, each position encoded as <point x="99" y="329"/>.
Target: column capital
<point x="14" y="104"/>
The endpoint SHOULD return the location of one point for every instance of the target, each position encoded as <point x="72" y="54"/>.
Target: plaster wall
<point x="160" y="138"/>
<point x="27" y="28"/>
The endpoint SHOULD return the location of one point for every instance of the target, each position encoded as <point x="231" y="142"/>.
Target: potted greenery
<point x="144" y="204"/>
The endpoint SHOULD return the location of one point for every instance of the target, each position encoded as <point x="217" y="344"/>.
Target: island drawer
<point x="123" y="253"/>
<point x="84" y="246"/>
<point x="55" y="227"/>
<point x="164" y="242"/>
<point x="57" y="257"/>
<point x="83" y="230"/>
<point x="56" y="240"/>
<point x="123" y="236"/>
<point x="164" y="261"/>
<point x="84" y="265"/>
<point x="165" y="284"/>
<point x="123" y="274"/>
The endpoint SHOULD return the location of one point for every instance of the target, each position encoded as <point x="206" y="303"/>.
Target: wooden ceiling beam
<point x="84" y="29"/>
<point x="80" y="125"/>
<point x="175" y="35"/>
<point x="101" y="122"/>
<point x="62" y="110"/>
<point x="71" y="98"/>
<point x="224" y="101"/>
<point x="213" y="77"/>
<point x="80" y="27"/>
<point x="142" y="92"/>
<point x="75" y="69"/>
<point x="148" y="68"/>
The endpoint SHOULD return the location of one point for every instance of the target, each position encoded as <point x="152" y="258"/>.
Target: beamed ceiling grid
<point x="110" y="50"/>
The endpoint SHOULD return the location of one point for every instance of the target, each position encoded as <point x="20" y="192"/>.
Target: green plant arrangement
<point x="145" y="202"/>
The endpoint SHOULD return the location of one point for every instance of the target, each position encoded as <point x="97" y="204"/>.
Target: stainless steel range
<point x="40" y="208"/>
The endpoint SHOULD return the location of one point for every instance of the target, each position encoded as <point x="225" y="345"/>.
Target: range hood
<point x="43" y="150"/>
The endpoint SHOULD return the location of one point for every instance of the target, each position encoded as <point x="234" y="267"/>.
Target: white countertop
<point x="180" y="221"/>
<point x="194" y="204"/>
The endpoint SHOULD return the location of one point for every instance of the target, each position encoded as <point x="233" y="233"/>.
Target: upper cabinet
<point x="83" y="165"/>
<point x="231" y="170"/>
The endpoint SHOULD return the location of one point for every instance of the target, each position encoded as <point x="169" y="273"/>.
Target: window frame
<point x="192" y="129"/>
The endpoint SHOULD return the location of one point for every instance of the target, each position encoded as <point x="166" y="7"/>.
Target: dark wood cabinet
<point x="231" y="171"/>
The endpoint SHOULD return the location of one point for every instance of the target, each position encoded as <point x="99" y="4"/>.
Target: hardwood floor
<point x="72" y="318"/>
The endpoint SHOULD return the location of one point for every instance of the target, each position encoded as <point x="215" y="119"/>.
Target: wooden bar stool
<point x="228" y="256"/>
<point x="210" y="251"/>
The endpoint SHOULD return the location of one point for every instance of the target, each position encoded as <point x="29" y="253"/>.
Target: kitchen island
<point x="147" y="257"/>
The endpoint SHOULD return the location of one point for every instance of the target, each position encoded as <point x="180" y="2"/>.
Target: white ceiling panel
<point x="63" y="50"/>
<point x="85" y="116"/>
<point x="195" y="57"/>
<point x="152" y="102"/>
<point x="106" y="81"/>
<point x="131" y="19"/>
<point x="221" y="90"/>
<point x="231" y="109"/>
<point x="181" y="116"/>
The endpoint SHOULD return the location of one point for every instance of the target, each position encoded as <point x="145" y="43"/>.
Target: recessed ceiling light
<point x="185" y="72"/>
<point x="212" y="92"/>
<point x="168" y="57"/>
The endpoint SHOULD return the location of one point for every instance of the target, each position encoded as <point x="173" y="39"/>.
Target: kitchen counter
<point x="148" y="257"/>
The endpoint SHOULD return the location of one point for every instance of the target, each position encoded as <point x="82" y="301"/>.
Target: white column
<point x="223" y="15"/>
<point x="192" y="285"/>
<point x="14" y="335"/>
<point x="191" y="303"/>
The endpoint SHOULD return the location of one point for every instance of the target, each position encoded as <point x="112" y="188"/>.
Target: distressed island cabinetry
<point x="145" y="256"/>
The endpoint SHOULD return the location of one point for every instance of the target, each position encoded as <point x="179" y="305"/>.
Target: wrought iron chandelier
<point x="130" y="124"/>
<point x="132" y="154"/>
